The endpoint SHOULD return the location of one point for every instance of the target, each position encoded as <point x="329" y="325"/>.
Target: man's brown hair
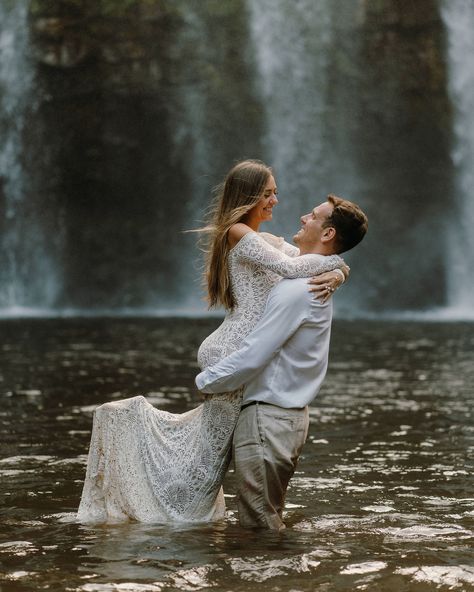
<point x="349" y="221"/>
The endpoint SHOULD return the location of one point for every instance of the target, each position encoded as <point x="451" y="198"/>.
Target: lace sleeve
<point x="253" y="249"/>
<point x="279" y="243"/>
<point x="289" y="250"/>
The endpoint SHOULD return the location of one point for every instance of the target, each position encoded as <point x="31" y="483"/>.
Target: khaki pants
<point x="266" y="447"/>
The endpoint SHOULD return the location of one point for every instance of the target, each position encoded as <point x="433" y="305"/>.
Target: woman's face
<point x="262" y="212"/>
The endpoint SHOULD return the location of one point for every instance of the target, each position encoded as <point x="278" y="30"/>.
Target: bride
<point x="150" y="465"/>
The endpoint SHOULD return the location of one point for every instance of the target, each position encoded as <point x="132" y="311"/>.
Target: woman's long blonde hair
<point x="236" y="196"/>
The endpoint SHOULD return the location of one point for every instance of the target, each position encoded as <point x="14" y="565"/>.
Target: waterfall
<point x="307" y="105"/>
<point x="291" y="42"/>
<point x="26" y="279"/>
<point x="216" y="115"/>
<point x="339" y="97"/>
<point x="14" y="93"/>
<point x="190" y="131"/>
<point x="458" y="17"/>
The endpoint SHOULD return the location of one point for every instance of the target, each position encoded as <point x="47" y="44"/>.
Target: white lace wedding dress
<point x="150" y="465"/>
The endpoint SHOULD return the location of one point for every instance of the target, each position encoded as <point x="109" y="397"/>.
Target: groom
<point x="282" y="364"/>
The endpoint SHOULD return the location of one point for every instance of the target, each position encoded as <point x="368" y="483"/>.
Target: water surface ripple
<point x="383" y="498"/>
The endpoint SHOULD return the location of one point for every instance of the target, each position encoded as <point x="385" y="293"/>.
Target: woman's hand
<point x="324" y="285"/>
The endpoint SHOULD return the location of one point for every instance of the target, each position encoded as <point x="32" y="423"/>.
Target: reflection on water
<point x="383" y="498"/>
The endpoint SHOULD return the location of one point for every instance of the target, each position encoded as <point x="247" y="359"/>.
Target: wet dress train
<point x="150" y="465"/>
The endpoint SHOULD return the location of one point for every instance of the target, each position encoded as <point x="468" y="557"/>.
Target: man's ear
<point x="329" y="234"/>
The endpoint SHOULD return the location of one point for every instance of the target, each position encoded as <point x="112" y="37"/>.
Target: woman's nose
<point x="274" y="199"/>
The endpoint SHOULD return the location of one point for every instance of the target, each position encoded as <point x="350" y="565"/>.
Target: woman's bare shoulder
<point x="236" y="232"/>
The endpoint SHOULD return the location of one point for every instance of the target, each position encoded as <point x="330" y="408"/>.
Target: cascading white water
<point x="14" y="95"/>
<point x="291" y="41"/>
<point x="190" y="131"/>
<point x="26" y="277"/>
<point x="458" y="17"/>
<point x="306" y="106"/>
<point x="290" y="82"/>
<point x="192" y="138"/>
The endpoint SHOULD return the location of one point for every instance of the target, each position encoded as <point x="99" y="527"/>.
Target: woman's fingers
<point x="321" y="293"/>
<point x="327" y="286"/>
<point x="317" y="280"/>
<point x="323" y="286"/>
<point x="325" y="278"/>
<point x="321" y="289"/>
<point x="324" y="298"/>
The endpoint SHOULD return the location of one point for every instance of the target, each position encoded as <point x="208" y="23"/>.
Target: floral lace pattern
<point x="149" y="465"/>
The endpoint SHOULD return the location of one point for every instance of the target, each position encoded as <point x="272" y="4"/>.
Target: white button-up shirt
<point x="284" y="359"/>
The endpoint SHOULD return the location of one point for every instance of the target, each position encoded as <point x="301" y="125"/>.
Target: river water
<point x="383" y="498"/>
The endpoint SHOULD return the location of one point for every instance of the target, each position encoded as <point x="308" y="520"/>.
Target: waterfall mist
<point x="28" y="276"/>
<point x="118" y="119"/>
<point x="459" y="20"/>
<point x="307" y="106"/>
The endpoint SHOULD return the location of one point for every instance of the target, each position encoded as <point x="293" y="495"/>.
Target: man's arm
<point x="286" y="309"/>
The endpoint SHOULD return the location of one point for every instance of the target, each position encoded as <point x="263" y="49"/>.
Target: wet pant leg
<point x="266" y="447"/>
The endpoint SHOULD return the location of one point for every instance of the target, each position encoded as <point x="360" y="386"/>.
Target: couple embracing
<point x="261" y="368"/>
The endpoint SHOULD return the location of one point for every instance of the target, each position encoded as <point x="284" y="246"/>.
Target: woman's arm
<point x="253" y="249"/>
<point x="280" y="243"/>
<point x="323" y="285"/>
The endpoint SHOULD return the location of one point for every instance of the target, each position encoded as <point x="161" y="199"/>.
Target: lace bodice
<point x="256" y="264"/>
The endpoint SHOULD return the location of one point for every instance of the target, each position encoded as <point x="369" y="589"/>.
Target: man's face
<point x="312" y="225"/>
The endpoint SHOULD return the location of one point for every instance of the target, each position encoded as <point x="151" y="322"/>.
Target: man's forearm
<point x="278" y="323"/>
<point x="235" y="370"/>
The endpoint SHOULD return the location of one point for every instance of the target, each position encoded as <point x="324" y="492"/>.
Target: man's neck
<point x="316" y="250"/>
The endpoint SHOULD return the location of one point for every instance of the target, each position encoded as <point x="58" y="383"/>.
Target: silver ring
<point x="328" y="289"/>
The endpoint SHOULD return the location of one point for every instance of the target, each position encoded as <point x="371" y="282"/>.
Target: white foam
<point x="259" y="569"/>
<point x="379" y="509"/>
<point x="438" y="532"/>
<point x="363" y="568"/>
<point x="454" y="576"/>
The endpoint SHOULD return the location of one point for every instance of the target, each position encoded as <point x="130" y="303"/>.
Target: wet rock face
<point x="121" y="85"/>
<point x="68" y="33"/>
<point x="104" y="109"/>
<point x="58" y="45"/>
<point x="404" y="131"/>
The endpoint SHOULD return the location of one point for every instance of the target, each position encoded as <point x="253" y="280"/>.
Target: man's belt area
<point x="265" y="403"/>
